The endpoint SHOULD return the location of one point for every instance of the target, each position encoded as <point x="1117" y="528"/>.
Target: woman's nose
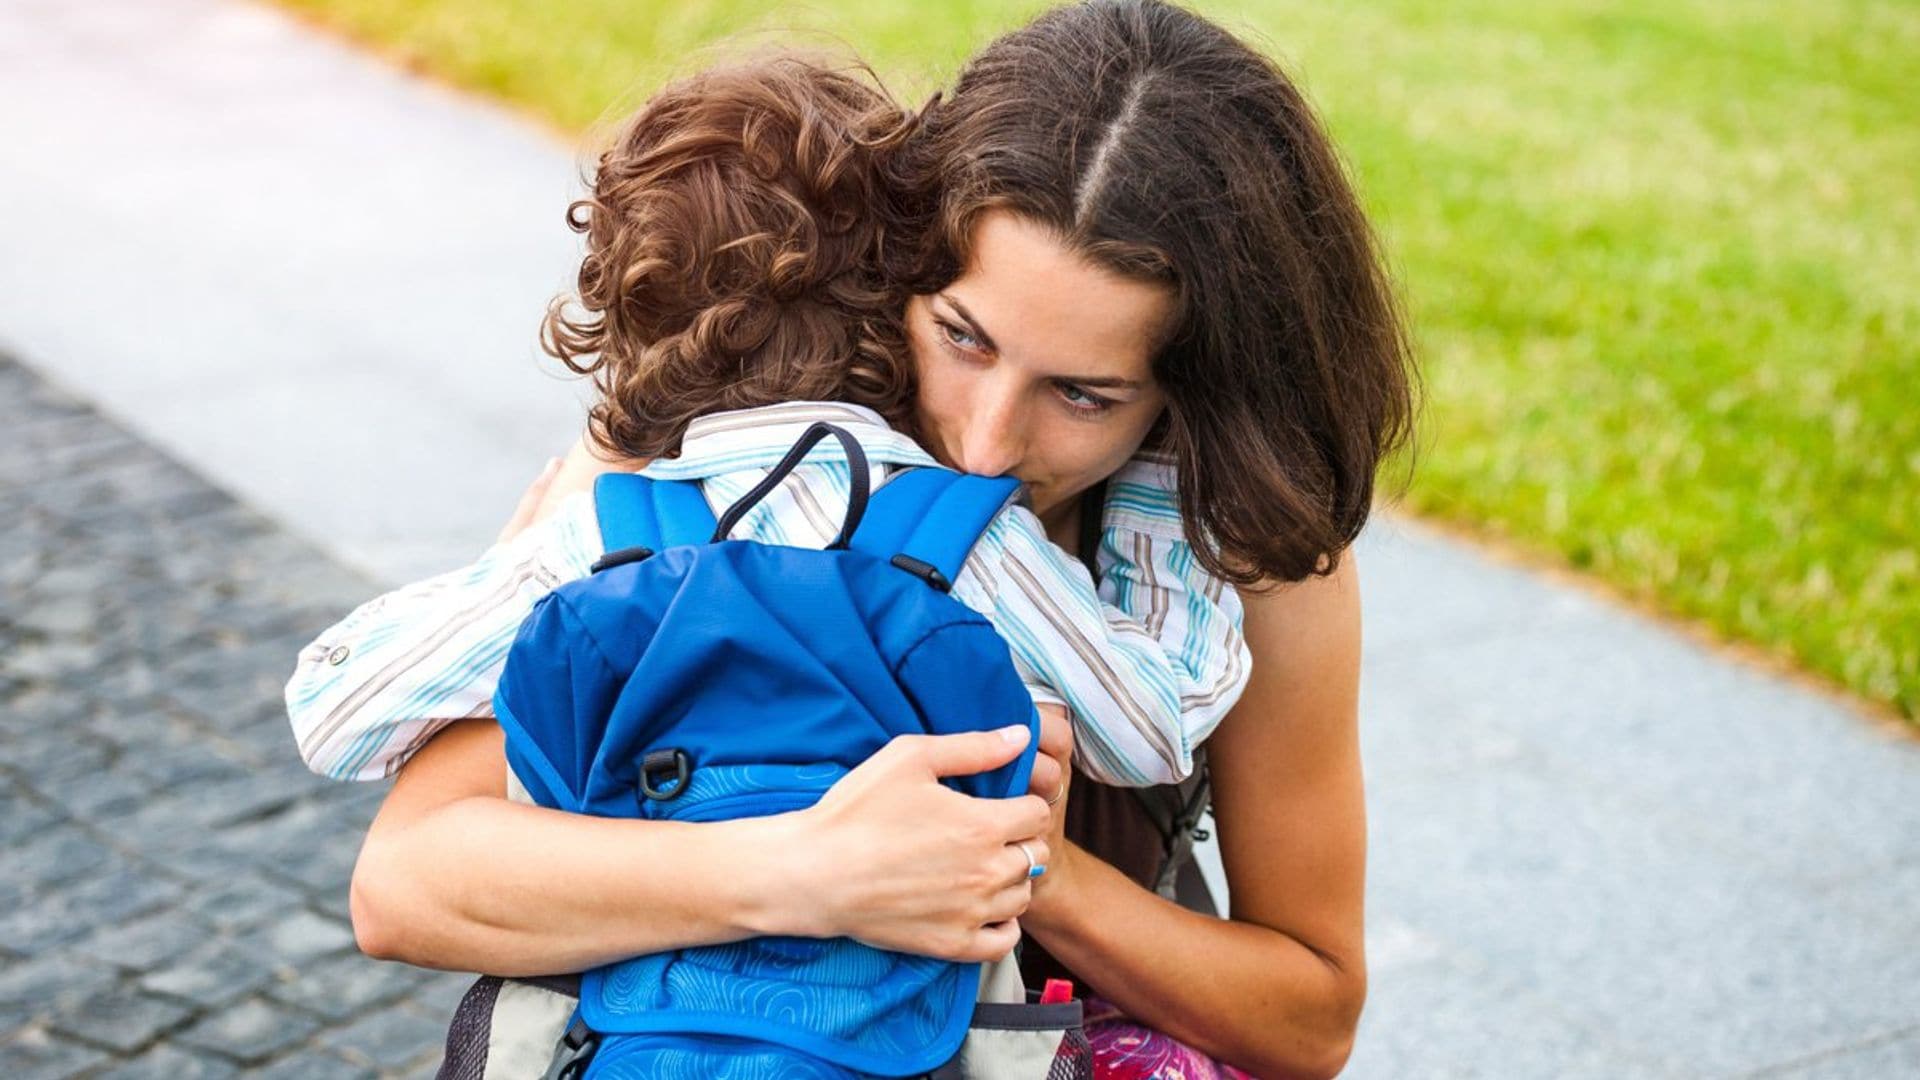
<point x="992" y="444"/>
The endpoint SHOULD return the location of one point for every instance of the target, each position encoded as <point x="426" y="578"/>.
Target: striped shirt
<point x="1147" y="664"/>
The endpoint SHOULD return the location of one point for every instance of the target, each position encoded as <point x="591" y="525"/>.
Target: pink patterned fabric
<point x="1124" y="1050"/>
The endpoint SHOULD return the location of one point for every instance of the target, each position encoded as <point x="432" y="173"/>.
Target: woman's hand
<point x="895" y="859"/>
<point x="1052" y="781"/>
<point x="1054" y="758"/>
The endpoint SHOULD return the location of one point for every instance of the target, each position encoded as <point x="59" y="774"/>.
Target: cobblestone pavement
<point x="173" y="897"/>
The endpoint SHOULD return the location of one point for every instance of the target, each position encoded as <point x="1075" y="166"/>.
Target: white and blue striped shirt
<point x="1147" y="664"/>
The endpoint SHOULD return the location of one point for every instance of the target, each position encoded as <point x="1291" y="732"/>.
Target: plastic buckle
<point x="576" y="1049"/>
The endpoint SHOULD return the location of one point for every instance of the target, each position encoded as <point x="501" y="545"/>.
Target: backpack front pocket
<point x="723" y="792"/>
<point x="862" y="1008"/>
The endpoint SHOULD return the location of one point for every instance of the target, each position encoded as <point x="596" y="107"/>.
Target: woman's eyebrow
<point x="1104" y="381"/>
<point x="973" y="324"/>
<point x="1114" y="382"/>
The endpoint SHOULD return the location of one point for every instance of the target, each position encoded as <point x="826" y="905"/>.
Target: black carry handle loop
<point x="856" y="500"/>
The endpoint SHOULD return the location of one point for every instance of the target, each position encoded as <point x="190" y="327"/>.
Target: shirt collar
<point x="761" y="435"/>
<point x="706" y="428"/>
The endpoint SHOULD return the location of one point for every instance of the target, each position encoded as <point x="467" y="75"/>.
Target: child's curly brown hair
<point x="734" y="242"/>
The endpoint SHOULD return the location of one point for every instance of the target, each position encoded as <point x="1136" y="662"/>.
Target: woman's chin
<point x="1052" y="510"/>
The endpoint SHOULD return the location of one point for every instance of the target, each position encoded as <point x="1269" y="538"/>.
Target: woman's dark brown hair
<point x="733" y="255"/>
<point x="1159" y="146"/>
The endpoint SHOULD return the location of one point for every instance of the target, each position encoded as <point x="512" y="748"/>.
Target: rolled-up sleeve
<point x="375" y="686"/>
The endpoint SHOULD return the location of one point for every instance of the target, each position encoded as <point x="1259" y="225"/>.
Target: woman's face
<point x="1037" y="363"/>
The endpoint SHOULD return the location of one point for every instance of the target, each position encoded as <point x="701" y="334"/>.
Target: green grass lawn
<point x="1663" y="260"/>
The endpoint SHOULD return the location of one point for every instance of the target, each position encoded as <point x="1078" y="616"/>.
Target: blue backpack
<point x="694" y="678"/>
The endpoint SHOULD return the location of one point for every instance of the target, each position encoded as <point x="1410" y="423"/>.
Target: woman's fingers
<point x="969" y="752"/>
<point x="1055" y="754"/>
<point x="1024" y="818"/>
<point x="919" y="867"/>
<point x="1021" y="818"/>
<point x="1047" y="774"/>
<point x="991" y="942"/>
<point x="1016" y="861"/>
<point x="1056" y="733"/>
<point x="530" y="500"/>
<point x="1008" y="903"/>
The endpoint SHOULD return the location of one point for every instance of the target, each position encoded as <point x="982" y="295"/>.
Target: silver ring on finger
<point x="1034" y="868"/>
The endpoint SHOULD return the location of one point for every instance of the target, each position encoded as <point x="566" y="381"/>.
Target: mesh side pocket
<point x="467" y="1035"/>
<point x="1074" y="1058"/>
<point x="505" y="1029"/>
<point x="1009" y="1041"/>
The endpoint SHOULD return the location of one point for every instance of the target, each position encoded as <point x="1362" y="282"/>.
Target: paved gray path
<point x="1597" y="849"/>
<point x="287" y="264"/>
<point x="172" y="901"/>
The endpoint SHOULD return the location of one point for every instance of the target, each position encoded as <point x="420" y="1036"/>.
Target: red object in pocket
<point x="1057" y="992"/>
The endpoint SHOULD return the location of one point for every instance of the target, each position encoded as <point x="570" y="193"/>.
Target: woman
<point x="1118" y="204"/>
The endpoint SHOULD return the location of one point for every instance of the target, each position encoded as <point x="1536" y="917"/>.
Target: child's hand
<point x="584" y="462"/>
<point x="561" y="478"/>
<point x="528" y="510"/>
<point x="1052" y="777"/>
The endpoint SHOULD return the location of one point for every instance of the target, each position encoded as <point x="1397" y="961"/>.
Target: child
<point x="734" y="296"/>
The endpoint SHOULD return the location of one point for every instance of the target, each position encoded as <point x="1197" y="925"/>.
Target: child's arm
<point x="1147" y="674"/>
<point x="374" y="687"/>
<point x="1148" y="572"/>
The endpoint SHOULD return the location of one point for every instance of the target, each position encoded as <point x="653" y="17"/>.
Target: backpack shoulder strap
<point x="926" y="519"/>
<point x="644" y="512"/>
<point x="1176" y="810"/>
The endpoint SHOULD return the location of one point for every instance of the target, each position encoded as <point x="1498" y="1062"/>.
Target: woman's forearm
<point x="455" y="875"/>
<point x="484" y="884"/>
<point x="1246" y="994"/>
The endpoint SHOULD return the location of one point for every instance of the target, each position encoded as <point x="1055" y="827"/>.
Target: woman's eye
<point x="958" y="336"/>
<point x="1083" y="402"/>
<point x="1077" y="400"/>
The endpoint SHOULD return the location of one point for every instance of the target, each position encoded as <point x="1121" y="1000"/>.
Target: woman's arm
<point x="1277" y="988"/>
<point x="452" y="875"/>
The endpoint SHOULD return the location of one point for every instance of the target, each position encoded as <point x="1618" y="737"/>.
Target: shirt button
<point x="338" y="656"/>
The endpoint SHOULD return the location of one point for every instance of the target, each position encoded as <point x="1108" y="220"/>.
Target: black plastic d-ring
<point x="661" y="761"/>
